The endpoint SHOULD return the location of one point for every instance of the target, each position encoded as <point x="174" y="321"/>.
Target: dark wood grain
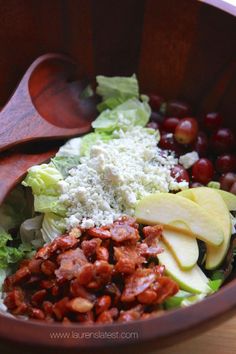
<point x="46" y="104"/>
<point x="14" y="165"/>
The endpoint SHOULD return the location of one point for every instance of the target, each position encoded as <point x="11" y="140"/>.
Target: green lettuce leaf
<point x="116" y="90"/>
<point x="43" y="179"/>
<point x="176" y="300"/>
<point x="48" y="203"/>
<point x="53" y="225"/>
<point x="8" y="254"/>
<point x="30" y="232"/>
<point x="129" y="114"/>
<point x="90" y="139"/>
<point x="64" y="163"/>
<point x="16" y="208"/>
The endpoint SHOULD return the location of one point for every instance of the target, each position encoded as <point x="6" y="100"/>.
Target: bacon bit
<point x="100" y="232"/>
<point x="70" y="263"/>
<point x="147" y="297"/>
<point x="86" y="274"/>
<point x="167" y="287"/>
<point x="48" y="267"/>
<point x="153" y="231"/>
<point x="114" y="291"/>
<point x="90" y="247"/>
<point x="102" y="254"/>
<point x="35" y="266"/>
<point x="124" y="232"/>
<point x="14" y="299"/>
<point x="60" y="308"/>
<point x="78" y="290"/>
<point x="136" y="283"/>
<point x="37" y="314"/>
<point x="20" y="276"/>
<point x="86" y="318"/>
<point x="60" y="243"/>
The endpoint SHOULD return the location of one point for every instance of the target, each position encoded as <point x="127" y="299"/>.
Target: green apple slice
<point x="215" y="206"/>
<point x="167" y="208"/>
<point x="229" y="198"/>
<point x="183" y="247"/>
<point x="192" y="280"/>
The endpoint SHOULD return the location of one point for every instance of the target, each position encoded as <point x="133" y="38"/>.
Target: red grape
<point x="201" y="144"/>
<point x="186" y="131"/>
<point x="167" y="142"/>
<point x="153" y="125"/>
<point x="170" y="124"/>
<point x="156" y="117"/>
<point x="179" y="173"/>
<point x="203" y="171"/>
<point x="226" y="163"/>
<point x="222" y="140"/>
<point x="212" y="121"/>
<point x="179" y="109"/>
<point x="227" y="180"/>
<point x="155" y="101"/>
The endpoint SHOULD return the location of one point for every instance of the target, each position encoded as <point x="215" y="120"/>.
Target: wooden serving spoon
<point x="46" y="104"/>
<point x="14" y="165"/>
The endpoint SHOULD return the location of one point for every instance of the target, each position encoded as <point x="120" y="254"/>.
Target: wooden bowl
<point x="179" y="48"/>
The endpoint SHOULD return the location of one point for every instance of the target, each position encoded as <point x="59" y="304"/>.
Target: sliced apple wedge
<point x="193" y="280"/>
<point x="229" y="198"/>
<point x="167" y="208"/>
<point x="183" y="247"/>
<point x="210" y="199"/>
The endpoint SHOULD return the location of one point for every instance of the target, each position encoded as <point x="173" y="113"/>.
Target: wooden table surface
<point x="220" y="340"/>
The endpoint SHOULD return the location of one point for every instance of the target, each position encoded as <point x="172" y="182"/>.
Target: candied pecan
<point x="86" y="274"/>
<point x="55" y="290"/>
<point x="22" y="309"/>
<point x="136" y="283"/>
<point x="38" y="297"/>
<point x="103" y="271"/>
<point x="100" y="232"/>
<point x="60" y="308"/>
<point x="131" y="315"/>
<point x="78" y="290"/>
<point x="70" y="262"/>
<point x="108" y="316"/>
<point x="127" y="258"/>
<point x="113" y="290"/>
<point x="47" y="283"/>
<point x="47" y="307"/>
<point x="102" y="304"/>
<point x="102" y="254"/>
<point x="48" y="267"/>
<point x="129" y="220"/>
<point x="20" y="276"/>
<point x="124" y="232"/>
<point x="90" y="247"/>
<point x="87" y="317"/>
<point x="125" y="265"/>
<point x="37" y="314"/>
<point x="79" y="304"/>
<point x="14" y="298"/>
<point x="35" y="266"/>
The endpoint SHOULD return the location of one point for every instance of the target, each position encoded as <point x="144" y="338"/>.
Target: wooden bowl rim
<point x="167" y="327"/>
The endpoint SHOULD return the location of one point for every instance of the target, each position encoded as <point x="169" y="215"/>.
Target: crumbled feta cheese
<point x="189" y="159"/>
<point x="116" y="174"/>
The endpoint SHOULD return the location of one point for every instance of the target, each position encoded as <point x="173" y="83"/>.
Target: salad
<point x="130" y="220"/>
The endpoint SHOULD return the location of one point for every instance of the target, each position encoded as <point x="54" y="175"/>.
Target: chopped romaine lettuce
<point x="43" y="179"/>
<point x="129" y="114"/>
<point x="16" y="208"/>
<point x="53" y="226"/>
<point x="176" y="300"/>
<point x="8" y="254"/>
<point x="65" y="163"/>
<point x="49" y="204"/>
<point x="116" y="90"/>
<point x="30" y="232"/>
<point x="70" y="148"/>
<point x="90" y="139"/>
